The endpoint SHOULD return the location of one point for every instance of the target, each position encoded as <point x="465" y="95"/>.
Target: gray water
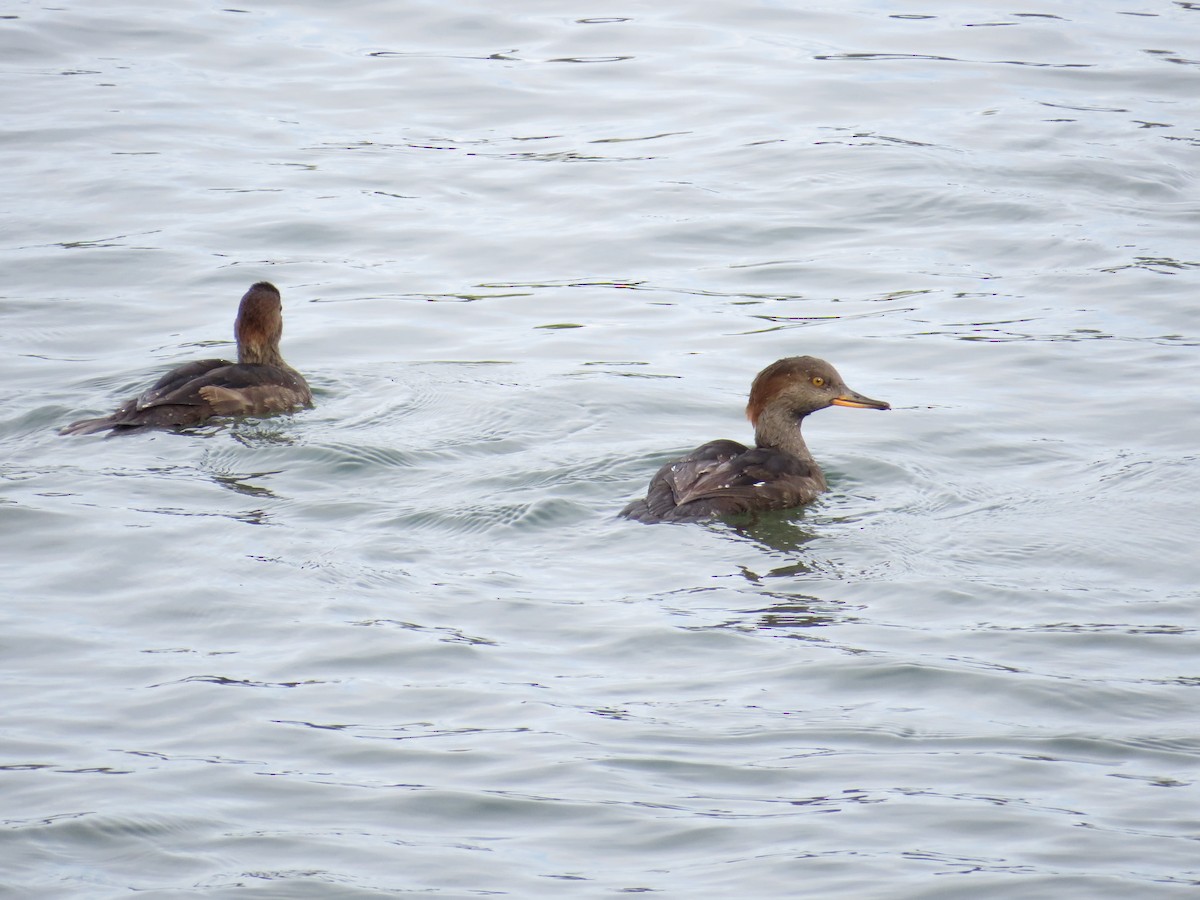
<point x="400" y="644"/>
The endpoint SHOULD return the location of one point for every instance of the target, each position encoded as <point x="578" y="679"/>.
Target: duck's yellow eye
<point x="817" y="381"/>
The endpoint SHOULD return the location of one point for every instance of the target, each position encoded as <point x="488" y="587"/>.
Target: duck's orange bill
<point x="858" y="401"/>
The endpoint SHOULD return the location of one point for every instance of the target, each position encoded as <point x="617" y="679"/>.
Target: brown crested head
<point x="259" y="325"/>
<point x="801" y="385"/>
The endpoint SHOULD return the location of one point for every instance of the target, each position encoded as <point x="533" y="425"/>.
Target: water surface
<point x="401" y="644"/>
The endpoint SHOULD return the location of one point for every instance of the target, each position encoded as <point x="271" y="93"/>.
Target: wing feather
<point x="726" y="478"/>
<point x="195" y="392"/>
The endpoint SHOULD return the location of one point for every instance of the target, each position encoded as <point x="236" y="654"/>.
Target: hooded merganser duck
<point x="725" y="477"/>
<point x="258" y="384"/>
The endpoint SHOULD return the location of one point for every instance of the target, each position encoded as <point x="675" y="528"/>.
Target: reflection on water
<point x="239" y="484"/>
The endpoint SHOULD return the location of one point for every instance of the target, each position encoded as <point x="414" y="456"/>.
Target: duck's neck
<point x="260" y="353"/>
<point x="779" y="427"/>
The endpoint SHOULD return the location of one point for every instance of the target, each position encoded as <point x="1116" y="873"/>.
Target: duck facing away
<point x="258" y="384"/>
<point x="724" y="477"/>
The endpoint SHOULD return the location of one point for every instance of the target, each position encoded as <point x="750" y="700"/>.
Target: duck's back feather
<point x="197" y="391"/>
<point x="725" y="478"/>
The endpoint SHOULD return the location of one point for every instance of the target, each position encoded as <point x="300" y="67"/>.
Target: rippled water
<point x="400" y="643"/>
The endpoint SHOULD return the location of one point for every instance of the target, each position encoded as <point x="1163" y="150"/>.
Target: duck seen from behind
<point x="258" y="384"/>
<point x="724" y="477"/>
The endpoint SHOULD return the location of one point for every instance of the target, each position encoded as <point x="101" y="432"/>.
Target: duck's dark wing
<point x="197" y="391"/>
<point x="245" y="390"/>
<point x="724" y="478"/>
<point x="143" y="411"/>
<point x="178" y="378"/>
